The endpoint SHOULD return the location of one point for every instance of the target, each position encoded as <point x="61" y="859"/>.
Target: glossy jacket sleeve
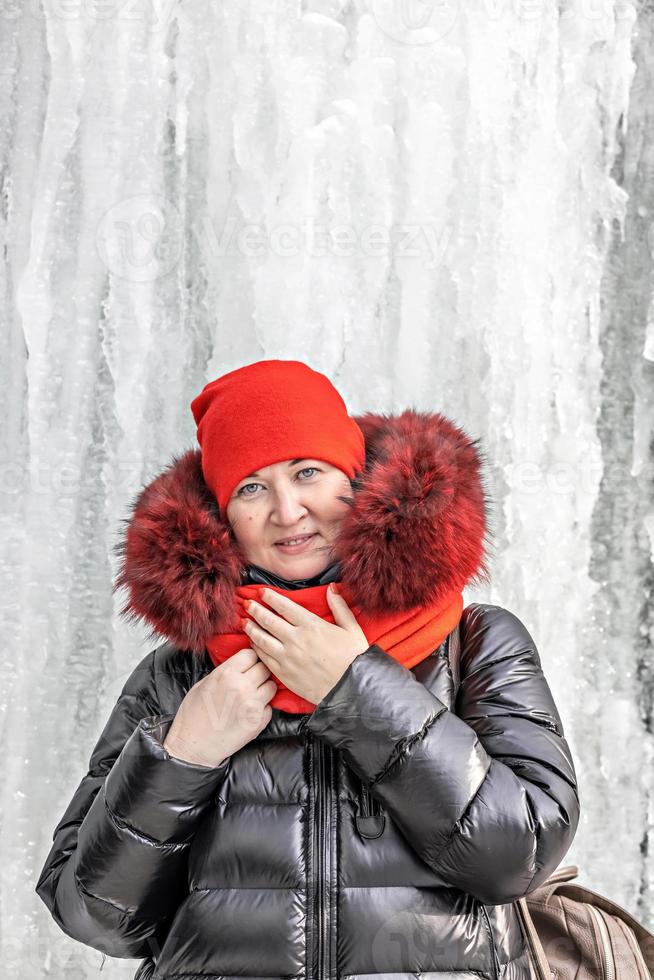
<point x="486" y="796"/>
<point x="117" y="869"/>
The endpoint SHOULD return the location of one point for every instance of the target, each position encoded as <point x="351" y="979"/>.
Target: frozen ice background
<point x="442" y="205"/>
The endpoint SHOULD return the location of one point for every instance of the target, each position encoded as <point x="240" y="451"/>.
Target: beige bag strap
<point x="539" y="967"/>
<point x="557" y="879"/>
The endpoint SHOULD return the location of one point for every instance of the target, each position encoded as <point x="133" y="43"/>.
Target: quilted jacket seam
<point x="482" y="974"/>
<point x="246" y="888"/>
<point x="139" y="835"/>
<point x="456" y="829"/>
<point x="503" y="659"/>
<point x="522" y="764"/>
<point x="97" y="898"/>
<point x="404" y="747"/>
<point x="550" y="723"/>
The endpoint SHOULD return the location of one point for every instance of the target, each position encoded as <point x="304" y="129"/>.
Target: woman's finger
<point x="263" y="638"/>
<point x="293" y="613"/>
<point x="270" y="621"/>
<point x="340" y="606"/>
<point x="267" y="658"/>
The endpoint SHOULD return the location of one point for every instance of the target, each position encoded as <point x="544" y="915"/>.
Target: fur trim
<point x="415" y="529"/>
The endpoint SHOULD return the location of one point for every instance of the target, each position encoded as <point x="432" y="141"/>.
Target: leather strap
<point x="539" y="967"/>
<point x="454" y="656"/>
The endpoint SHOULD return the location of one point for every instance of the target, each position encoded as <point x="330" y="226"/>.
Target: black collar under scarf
<point x="262" y="576"/>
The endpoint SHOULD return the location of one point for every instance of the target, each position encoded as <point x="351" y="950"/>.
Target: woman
<point x="300" y="787"/>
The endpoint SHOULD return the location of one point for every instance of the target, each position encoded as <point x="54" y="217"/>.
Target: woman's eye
<point x="241" y="492"/>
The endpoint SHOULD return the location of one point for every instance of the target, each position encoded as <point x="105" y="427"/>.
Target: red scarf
<point x="408" y="637"/>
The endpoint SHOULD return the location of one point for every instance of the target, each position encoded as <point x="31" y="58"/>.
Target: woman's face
<point x="286" y="500"/>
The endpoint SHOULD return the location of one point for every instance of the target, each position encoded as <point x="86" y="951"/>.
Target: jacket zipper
<point x="608" y="964"/>
<point x="322" y="767"/>
<point x="496" y="962"/>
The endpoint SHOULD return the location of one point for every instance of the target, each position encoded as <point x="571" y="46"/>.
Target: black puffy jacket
<point x="385" y="834"/>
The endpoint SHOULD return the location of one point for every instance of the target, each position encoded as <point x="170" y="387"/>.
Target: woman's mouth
<point x="296" y="545"/>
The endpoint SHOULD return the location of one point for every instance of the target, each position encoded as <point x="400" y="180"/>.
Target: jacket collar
<point x="254" y="574"/>
<point x="415" y="529"/>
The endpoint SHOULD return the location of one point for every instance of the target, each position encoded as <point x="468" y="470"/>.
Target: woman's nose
<point x="288" y="508"/>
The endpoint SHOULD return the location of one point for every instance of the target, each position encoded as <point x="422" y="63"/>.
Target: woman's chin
<point x="297" y="566"/>
<point x="299" y="569"/>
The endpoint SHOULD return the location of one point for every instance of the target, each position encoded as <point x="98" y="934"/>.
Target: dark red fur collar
<point x="415" y="529"/>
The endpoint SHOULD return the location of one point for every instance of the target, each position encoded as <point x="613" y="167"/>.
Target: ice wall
<point x="445" y="206"/>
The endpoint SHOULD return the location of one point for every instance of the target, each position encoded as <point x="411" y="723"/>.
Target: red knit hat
<point x="269" y="412"/>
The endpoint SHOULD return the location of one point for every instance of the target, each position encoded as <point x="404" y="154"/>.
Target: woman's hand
<point x="306" y="653"/>
<point x="223" y="711"/>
